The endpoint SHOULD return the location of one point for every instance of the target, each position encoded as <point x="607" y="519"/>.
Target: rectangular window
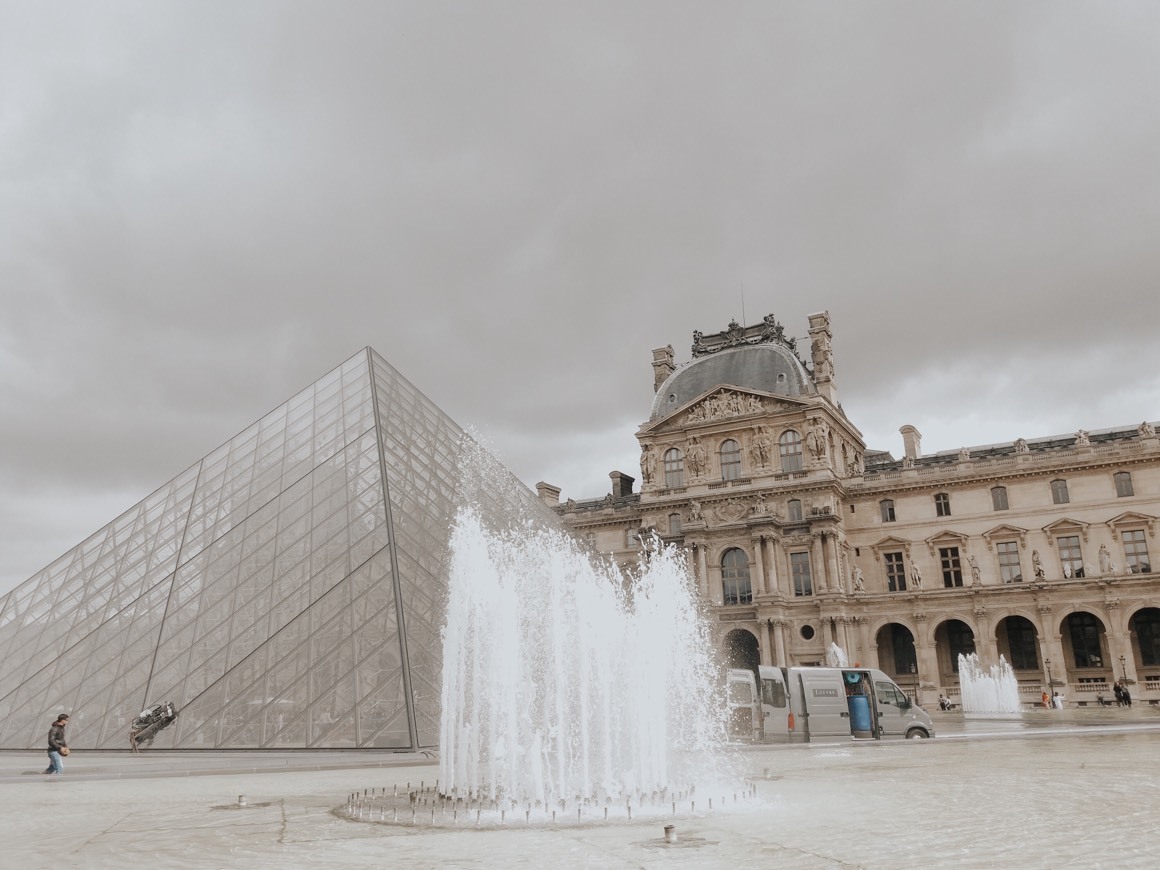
<point x="942" y="504"/>
<point x="887" y="506"/>
<point x="1123" y="484"/>
<point x="895" y="572"/>
<point x="631" y="539"/>
<point x="952" y="570"/>
<point x="1009" y="568"/>
<point x="793" y="510"/>
<point x="799" y="564"/>
<point x="1136" y="552"/>
<point x="1070" y="555"/>
<point x="1059" y="492"/>
<point x="999" y="498"/>
<point x="674" y="524"/>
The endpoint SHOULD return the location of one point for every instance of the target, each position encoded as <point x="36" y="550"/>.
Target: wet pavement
<point x="1071" y="788"/>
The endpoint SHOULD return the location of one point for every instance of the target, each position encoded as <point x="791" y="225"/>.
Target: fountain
<point x="992" y="696"/>
<point x="836" y="657"/>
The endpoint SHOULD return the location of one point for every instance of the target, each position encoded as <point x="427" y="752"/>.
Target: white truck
<point x="809" y="704"/>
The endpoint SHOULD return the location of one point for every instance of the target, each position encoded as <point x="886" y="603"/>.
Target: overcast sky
<point x="205" y="206"/>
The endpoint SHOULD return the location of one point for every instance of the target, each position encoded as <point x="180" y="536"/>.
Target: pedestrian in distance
<point x="1126" y="696"/>
<point x="1119" y="690"/>
<point x="57" y="745"/>
<point x="1046" y="700"/>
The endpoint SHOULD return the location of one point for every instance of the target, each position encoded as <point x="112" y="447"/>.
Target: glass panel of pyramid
<point x="283" y="592"/>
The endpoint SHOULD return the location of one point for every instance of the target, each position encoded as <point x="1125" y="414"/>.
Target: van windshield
<point x="888" y="693"/>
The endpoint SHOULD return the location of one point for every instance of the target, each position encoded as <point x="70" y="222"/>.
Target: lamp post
<point x="1124" y="668"/>
<point x="914" y="678"/>
<point x="1047" y="662"/>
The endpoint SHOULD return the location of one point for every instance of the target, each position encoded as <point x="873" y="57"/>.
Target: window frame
<point x="736" y="583"/>
<point x="801" y="573"/>
<point x="886" y="510"/>
<point x="674" y="463"/>
<point x="1132" y="554"/>
<point x="793" y="511"/>
<point x="1067" y="558"/>
<point x="1007" y="549"/>
<point x="731" y="466"/>
<point x="999" y="501"/>
<point x="942" y="504"/>
<point x="1059" y="493"/>
<point x="951" y="563"/>
<point x="789" y="451"/>
<point x="894" y="564"/>
<point x="1123" y="483"/>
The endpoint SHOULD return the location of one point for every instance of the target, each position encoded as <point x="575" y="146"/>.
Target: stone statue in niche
<point x="1082" y="439"/>
<point x="760" y="507"/>
<point x="695" y="514"/>
<point x="648" y="464"/>
<point x="915" y="577"/>
<point x="1037" y="566"/>
<point x="697" y="455"/>
<point x="1106" y="566"/>
<point x="816" y="439"/>
<point x="1021" y="445"/>
<point x="858" y="580"/>
<point x="976" y="573"/>
<point x="1147" y="430"/>
<point x="762" y="447"/>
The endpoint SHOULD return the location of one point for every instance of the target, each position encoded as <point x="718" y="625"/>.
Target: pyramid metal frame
<point x="283" y="592"/>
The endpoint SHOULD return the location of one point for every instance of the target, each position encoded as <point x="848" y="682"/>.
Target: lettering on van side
<point x="825" y="693"/>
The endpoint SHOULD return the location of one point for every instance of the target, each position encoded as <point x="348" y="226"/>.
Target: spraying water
<point x="562" y="682"/>
<point x="995" y="694"/>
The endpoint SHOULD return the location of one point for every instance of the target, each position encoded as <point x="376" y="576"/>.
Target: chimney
<point x="662" y="365"/>
<point x="621" y="484"/>
<point x="549" y="495"/>
<point x="911" y="442"/>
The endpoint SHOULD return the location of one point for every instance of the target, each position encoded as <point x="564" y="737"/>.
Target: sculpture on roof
<point x="1082" y="439"/>
<point x="1146" y="430"/>
<point x="1021" y="445"/>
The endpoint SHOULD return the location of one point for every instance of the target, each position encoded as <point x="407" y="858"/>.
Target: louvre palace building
<point x="801" y="536"/>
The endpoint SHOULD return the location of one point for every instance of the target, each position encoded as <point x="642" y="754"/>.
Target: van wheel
<point x="916" y="734"/>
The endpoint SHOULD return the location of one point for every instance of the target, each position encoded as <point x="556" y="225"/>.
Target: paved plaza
<point x="1075" y="788"/>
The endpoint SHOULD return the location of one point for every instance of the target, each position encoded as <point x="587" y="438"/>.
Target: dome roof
<point x="770" y="368"/>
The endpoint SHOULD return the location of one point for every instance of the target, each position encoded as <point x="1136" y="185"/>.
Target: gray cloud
<point x="204" y="207"/>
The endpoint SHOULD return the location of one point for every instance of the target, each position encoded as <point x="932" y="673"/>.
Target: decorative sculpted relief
<point x="732" y="510"/>
<point x="697" y="457"/>
<point x="648" y="464"/>
<point x="1082" y="439"/>
<point x="1147" y="430"/>
<point x="724" y="404"/>
<point x="762" y="447"/>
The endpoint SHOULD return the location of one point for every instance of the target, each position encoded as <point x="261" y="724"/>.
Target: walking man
<point x="56" y="744"/>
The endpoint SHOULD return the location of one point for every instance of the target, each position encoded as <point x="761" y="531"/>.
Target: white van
<point x="808" y="704"/>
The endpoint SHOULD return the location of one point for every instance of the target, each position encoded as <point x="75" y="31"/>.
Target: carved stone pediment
<point x="946" y="538"/>
<point x="726" y="403"/>
<point x="1005" y="532"/>
<point x="1066" y="525"/>
<point x="890" y="544"/>
<point x="1131" y="519"/>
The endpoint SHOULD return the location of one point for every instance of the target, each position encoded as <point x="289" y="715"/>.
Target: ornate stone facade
<point x="1038" y="550"/>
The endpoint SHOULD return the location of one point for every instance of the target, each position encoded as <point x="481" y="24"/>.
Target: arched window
<point x="887" y="508"/>
<point x="674" y="467"/>
<point x="790" y="447"/>
<point x="730" y="456"/>
<point x="793" y="510"/>
<point x="735" y="577"/>
<point x="1085" y="640"/>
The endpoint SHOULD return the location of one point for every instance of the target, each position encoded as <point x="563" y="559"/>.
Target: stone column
<point x="759" y="561"/>
<point x="768" y="656"/>
<point x="834" y="577"/>
<point x="986" y="646"/>
<point x="702" y="572"/>
<point x="869" y="657"/>
<point x="1050" y="646"/>
<point x="780" y="640"/>
<point x="817" y="562"/>
<point x="926" y="651"/>
<point x="773" y="570"/>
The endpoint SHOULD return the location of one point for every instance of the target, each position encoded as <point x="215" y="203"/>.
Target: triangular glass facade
<point x="284" y="592"/>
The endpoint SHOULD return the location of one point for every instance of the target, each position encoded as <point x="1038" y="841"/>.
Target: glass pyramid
<point x="283" y="592"/>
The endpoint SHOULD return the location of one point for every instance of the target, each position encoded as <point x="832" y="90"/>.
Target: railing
<point x="1152" y="685"/>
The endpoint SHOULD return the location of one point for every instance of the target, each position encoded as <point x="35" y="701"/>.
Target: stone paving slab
<point x="1069" y="792"/>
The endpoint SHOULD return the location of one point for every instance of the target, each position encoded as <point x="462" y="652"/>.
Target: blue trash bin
<point x="860" y="722"/>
